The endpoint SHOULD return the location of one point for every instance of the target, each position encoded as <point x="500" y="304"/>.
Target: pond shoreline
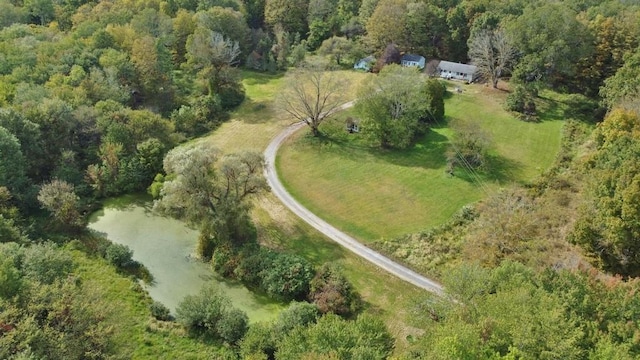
<point x="166" y="247"/>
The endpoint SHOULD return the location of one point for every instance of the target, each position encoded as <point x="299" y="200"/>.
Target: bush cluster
<point x="282" y="276"/>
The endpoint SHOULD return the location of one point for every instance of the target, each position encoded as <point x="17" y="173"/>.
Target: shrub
<point x="119" y="255"/>
<point x="516" y="99"/>
<point x="297" y="314"/>
<point x="159" y="311"/>
<point x="521" y="100"/>
<point x="232" y="325"/>
<point x="211" y="313"/>
<point x="288" y="277"/>
<point x="253" y="264"/>
<point x="46" y="263"/>
<point x="259" y="342"/>
<point x="469" y="146"/>
<point x="224" y="260"/>
<point x="332" y="292"/>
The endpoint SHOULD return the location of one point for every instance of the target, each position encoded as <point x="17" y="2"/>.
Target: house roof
<point x="412" y="57"/>
<point x="457" y="67"/>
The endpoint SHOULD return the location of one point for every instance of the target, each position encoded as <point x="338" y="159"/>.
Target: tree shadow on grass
<point x="550" y="110"/>
<point x="428" y="151"/>
<point x="498" y="169"/>
<point x="251" y="77"/>
<point x="253" y="112"/>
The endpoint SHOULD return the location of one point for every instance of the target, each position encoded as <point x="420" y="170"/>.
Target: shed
<point x="365" y="63"/>
<point x="413" y="60"/>
<point x="458" y="71"/>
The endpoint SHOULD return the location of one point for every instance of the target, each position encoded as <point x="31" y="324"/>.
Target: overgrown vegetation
<point x="93" y="95"/>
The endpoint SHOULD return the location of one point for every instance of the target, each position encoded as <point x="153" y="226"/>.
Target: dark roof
<point x="412" y="57"/>
<point x="457" y="67"/>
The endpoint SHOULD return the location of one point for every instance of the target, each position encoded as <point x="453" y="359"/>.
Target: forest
<point x="104" y="98"/>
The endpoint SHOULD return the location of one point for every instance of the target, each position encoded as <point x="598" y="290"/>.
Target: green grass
<point x="372" y="193"/>
<point x="135" y="334"/>
<point x="257" y="120"/>
<point x="523" y="149"/>
<point x="385" y="295"/>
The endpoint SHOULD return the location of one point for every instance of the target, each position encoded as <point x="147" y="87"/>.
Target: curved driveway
<point x="327" y="229"/>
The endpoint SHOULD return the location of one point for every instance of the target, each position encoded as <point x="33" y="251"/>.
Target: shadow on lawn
<point x="429" y="151"/>
<point x="499" y="169"/>
<point x="253" y="112"/>
<point x="259" y="78"/>
<point x="316" y="249"/>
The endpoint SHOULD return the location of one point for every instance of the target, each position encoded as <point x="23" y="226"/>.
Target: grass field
<point x="252" y="126"/>
<point x="136" y="336"/>
<point x="257" y="120"/>
<point x="373" y="193"/>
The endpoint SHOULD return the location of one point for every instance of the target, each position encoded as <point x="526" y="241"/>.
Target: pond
<point x="166" y="246"/>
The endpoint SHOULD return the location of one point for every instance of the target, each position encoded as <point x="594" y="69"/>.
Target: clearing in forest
<point x="372" y="193"/>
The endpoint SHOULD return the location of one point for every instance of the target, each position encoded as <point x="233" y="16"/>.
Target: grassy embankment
<point x="374" y="194"/>
<point x="135" y="334"/>
<point x="252" y="126"/>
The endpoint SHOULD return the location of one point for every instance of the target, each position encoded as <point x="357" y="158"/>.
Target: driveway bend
<point x="330" y="231"/>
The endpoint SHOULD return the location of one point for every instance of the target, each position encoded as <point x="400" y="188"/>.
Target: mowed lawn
<point x="258" y="120"/>
<point x="373" y="193"/>
<point x="251" y="127"/>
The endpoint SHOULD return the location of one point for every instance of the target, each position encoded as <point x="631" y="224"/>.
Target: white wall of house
<point x="447" y="74"/>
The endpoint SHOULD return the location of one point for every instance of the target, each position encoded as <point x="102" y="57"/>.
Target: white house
<point x="451" y="70"/>
<point x="365" y="63"/>
<point x="413" y="60"/>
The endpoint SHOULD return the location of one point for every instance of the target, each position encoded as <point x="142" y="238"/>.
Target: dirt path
<point x="327" y="229"/>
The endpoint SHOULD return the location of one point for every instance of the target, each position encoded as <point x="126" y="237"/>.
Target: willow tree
<point x="211" y="192"/>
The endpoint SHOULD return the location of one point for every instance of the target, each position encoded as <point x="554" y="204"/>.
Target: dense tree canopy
<point x="609" y="225"/>
<point x="397" y="105"/>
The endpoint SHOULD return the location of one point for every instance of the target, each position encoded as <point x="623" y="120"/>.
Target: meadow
<point x="375" y="194"/>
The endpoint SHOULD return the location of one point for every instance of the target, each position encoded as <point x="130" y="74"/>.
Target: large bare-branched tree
<point x="312" y="94"/>
<point x="493" y="53"/>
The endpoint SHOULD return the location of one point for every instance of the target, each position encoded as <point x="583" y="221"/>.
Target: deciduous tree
<point x="493" y="53"/>
<point x="210" y="312"/>
<point x="393" y="106"/>
<point x="332" y="292"/>
<point x="211" y="192"/>
<point x="290" y="14"/>
<point x="610" y="222"/>
<point x="333" y="337"/>
<point x="12" y="170"/>
<point x="311" y="95"/>
<point x="387" y="24"/>
<point x="624" y="85"/>
<point x="59" y="198"/>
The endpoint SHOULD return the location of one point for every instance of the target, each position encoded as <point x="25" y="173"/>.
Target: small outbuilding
<point x="365" y="64"/>
<point x="450" y="70"/>
<point x="412" y="60"/>
<point x="352" y="125"/>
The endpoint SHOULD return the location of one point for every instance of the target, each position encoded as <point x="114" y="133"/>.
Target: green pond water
<point x="166" y="246"/>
